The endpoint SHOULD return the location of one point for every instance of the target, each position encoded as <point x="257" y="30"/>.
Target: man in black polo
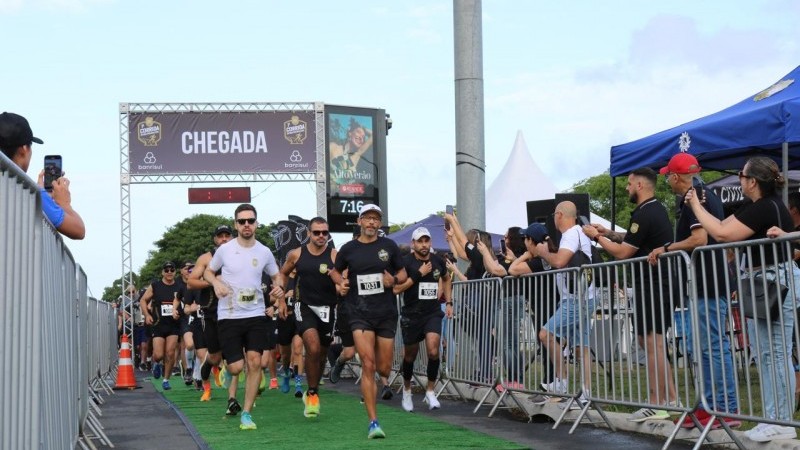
<point x="649" y="229"/>
<point x="374" y="266"/>
<point x="163" y="318"/>
<point x="315" y="303"/>
<point x="421" y="316"/>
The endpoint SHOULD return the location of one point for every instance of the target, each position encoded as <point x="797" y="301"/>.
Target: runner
<point x="315" y="300"/>
<point x="164" y="321"/>
<point x="242" y="322"/>
<point x="421" y="316"/>
<point x="374" y="266"/>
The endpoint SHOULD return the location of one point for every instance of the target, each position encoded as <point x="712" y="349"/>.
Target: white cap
<point x="370" y="207"/>
<point x="419" y="232"/>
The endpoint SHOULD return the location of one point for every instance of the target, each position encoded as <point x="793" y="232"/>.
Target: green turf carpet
<point x="342" y="424"/>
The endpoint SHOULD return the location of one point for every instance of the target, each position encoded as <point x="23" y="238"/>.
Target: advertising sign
<point x="222" y="142"/>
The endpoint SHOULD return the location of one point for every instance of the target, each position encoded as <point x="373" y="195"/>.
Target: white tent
<point x="520" y="181"/>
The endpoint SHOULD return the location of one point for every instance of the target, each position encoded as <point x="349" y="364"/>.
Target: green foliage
<point x="111" y="293"/>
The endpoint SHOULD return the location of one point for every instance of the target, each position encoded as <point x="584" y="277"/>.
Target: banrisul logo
<point x="149" y="132"/>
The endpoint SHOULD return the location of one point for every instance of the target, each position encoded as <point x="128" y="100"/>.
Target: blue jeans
<point x="716" y="359"/>
<point x="775" y="344"/>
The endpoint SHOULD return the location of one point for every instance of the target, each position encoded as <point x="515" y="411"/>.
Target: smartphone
<point x="52" y="170"/>
<point x="502" y="246"/>
<point x="698" y="185"/>
<point x="583" y="221"/>
<point x="449" y="210"/>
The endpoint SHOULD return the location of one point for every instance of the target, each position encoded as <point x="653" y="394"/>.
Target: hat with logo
<point x="15" y="131"/>
<point x="369" y="207"/>
<point x="222" y="229"/>
<point x="535" y="231"/>
<point x="420" y="232"/>
<point x="681" y="163"/>
<point x="188" y="264"/>
<point x="168" y="264"/>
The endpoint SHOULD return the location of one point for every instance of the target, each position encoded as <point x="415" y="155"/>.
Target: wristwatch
<point x="666" y="247"/>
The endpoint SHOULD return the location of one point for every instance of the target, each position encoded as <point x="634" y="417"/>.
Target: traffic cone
<point x="125" y="377"/>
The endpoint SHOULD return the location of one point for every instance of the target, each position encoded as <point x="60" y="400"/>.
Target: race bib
<point x="166" y="309"/>
<point x="428" y="291"/>
<point x="323" y="312"/>
<point x="370" y="284"/>
<point x="247" y="297"/>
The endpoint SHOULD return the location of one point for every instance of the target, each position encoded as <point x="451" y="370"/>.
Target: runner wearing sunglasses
<point x="163" y="318"/>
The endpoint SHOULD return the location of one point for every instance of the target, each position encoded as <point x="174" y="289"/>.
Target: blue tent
<point x="768" y="123"/>
<point x="434" y="224"/>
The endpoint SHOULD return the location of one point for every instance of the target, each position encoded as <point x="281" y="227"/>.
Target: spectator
<point x="16" y="142"/>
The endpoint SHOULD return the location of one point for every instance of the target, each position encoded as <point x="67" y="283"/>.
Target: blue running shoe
<point x="157" y="370"/>
<point x="247" y="422"/>
<point x="375" y="431"/>
<point x="285" y="383"/>
<point x="298" y="387"/>
<point x="165" y="385"/>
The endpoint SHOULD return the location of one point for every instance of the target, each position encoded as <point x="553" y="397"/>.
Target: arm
<point x="699" y="237"/>
<point x="447" y="289"/>
<point x="144" y="305"/>
<point x="72" y="225"/>
<point x="489" y="262"/>
<point x="728" y="230"/>
<point x="458" y="236"/>
<point x="520" y="265"/>
<point x="196" y="280"/>
<point x="291" y="261"/>
<point x="277" y="292"/>
<point x="613" y="236"/>
<point x="617" y="250"/>
<point x="452" y="267"/>
<point x="557" y="260"/>
<point x="220" y="289"/>
<point x="456" y="247"/>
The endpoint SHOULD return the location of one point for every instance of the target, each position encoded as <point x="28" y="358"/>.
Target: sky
<point x="574" y="77"/>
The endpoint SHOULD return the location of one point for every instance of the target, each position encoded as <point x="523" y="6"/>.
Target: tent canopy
<point x="434" y="224"/>
<point x="759" y="124"/>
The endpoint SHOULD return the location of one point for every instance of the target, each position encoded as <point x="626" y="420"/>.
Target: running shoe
<point x="247" y="422"/>
<point x="225" y="376"/>
<point x="558" y="386"/>
<point x="262" y="385"/>
<point x="198" y="385"/>
<point x="273" y="383"/>
<point x="769" y="432"/>
<point x="311" y="403"/>
<point x="336" y="372"/>
<point x="433" y="402"/>
<point x="408" y="401"/>
<point x="187" y="378"/>
<point x="285" y="383"/>
<point x="165" y="385"/>
<point x="157" y="370"/>
<point x="233" y="407"/>
<point x="644" y="414"/>
<point x="386" y="393"/>
<point x="375" y="431"/>
<point x="298" y="387"/>
<point x="206" y="397"/>
<point x="216" y="374"/>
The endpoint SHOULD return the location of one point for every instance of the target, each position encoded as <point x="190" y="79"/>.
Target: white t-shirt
<point x="241" y="271"/>
<point x="575" y="240"/>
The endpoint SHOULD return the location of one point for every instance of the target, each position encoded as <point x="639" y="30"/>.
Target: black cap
<point x="15" y="131"/>
<point x="188" y="264"/>
<point x="168" y="264"/>
<point x="222" y="229"/>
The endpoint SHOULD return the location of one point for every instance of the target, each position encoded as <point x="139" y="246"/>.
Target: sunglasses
<point x="249" y="221"/>
<point x="169" y="270"/>
<point x="320" y="232"/>
<point x="742" y="175"/>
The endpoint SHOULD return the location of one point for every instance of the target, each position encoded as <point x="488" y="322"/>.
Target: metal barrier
<point x="45" y="318"/>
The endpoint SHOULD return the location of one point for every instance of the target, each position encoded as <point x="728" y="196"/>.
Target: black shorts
<point x="184" y="321"/>
<point x="287" y="329"/>
<point x="385" y="327"/>
<point x="165" y="327"/>
<point x="140" y="334"/>
<point x="306" y="319"/>
<point x="272" y="334"/>
<point x="341" y="326"/>
<point x="206" y="334"/>
<point x="653" y="309"/>
<point x="414" y="328"/>
<point x="235" y="335"/>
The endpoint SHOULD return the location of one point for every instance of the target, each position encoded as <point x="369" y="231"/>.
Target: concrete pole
<point x="470" y="173"/>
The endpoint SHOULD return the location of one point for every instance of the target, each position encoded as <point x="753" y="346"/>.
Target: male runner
<point x="242" y="322"/>
<point x="164" y="321"/>
<point x="374" y="266"/>
<point x="315" y="300"/>
<point x="421" y="316"/>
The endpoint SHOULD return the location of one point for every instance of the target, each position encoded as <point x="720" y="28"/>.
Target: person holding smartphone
<point x="16" y="141"/>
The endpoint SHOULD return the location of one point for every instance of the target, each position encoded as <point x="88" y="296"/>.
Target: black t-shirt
<point x="187" y="297"/>
<point x="535" y="264"/>
<point x="314" y="286"/>
<point x="760" y="216"/>
<point x="365" y="263"/>
<point x="648" y="230"/>
<point x="476" y="269"/>
<point x="163" y="295"/>
<point x="423" y="296"/>
<point x="712" y="265"/>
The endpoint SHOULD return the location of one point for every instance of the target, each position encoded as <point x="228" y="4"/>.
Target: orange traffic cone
<point x="125" y="377"/>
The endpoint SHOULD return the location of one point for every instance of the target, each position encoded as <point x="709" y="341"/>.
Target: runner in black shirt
<point x="374" y="266"/>
<point x="164" y="320"/>
<point x="421" y="316"/>
<point x="315" y="300"/>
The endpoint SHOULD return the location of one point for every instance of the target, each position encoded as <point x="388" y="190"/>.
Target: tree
<point x="111" y="293"/>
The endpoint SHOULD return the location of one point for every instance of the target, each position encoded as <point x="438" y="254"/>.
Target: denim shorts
<point x="564" y="324"/>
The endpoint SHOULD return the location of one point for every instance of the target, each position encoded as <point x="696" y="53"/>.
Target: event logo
<point x="149" y="132"/>
<point x="295" y="130"/>
<point x="772" y="90"/>
<point x="684" y="142"/>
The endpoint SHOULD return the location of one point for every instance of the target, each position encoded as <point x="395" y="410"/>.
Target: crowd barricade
<point x="760" y="386"/>
<point x="45" y="321"/>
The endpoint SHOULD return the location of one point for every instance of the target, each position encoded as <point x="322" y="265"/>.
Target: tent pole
<point x="786" y="173"/>
<point x="613" y="202"/>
